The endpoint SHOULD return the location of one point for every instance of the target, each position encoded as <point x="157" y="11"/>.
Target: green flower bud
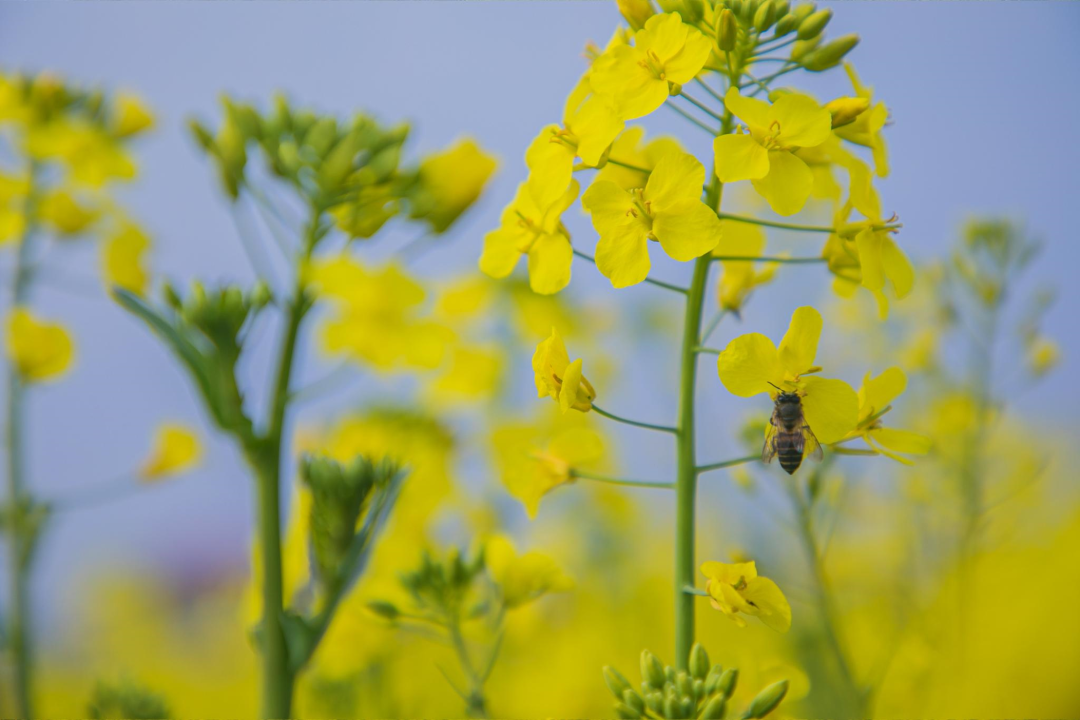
<point x="172" y="298"/>
<point x="615" y="681"/>
<point x="652" y="671"/>
<point x="802" y="48"/>
<point x="844" y="110"/>
<point x="623" y="710"/>
<point x="712" y="682"/>
<point x="714" y="709"/>
<point x="736" y="7"/>
<point x="727" y="30"/>
<point x="692" y="11"/>
<point x="674" y="90"/>
<point x="814" y="24"/>
<point x="746" y="15"/>
<point x="782" y="7"/>
<point x="671" y="707"/>
<point x="669" y="674"/>
<point x="727" y="683"/>
<point x="655" y="701"/>
<point x="384" y="609"/>
<point x="767" y="700"/>
<point x="684" y="684"/>
<point x="202" y="136"/>
<point x="785" y="24"/>
<point x="830" y="54"/>
<point x="803" y="11"/>
<point x="699" y="661"/>
<point x="765" y="16"/>
<point x="320" y="138"/>
<point x="260" y="296"/>
<point x="634" y="700"/>
<point x="686" y="707"/>
<point x="699" y="689"/>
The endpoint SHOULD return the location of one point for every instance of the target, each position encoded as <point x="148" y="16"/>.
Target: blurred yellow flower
<point x="176" y="449"/>
<point x="13" y="191"/>
<point x="875" y="395"/>
<point x="132" y="116"/>
<point x="379" y="319"/>
<point x="39" y="350"/>
<point x="766" y="154"/>
<point x="450" y="181"/>
<point x="529" y="471"/>
<point x="737" y="588"/>
<point x="636" y="76"/>
<point x="60" y="210"/>
<point x="522" y="578"/>
<point x="558" y="378"/>
<point x="534" y="229"/>
<point x="123" y="259"/>
<point x="92" y="157"/>
<point x="668" y="209"/>
<point x="474" y="373"/>
<point x="739" y="277"/>
<point x="1043" y="355"/>
<point x="751" y="364"/>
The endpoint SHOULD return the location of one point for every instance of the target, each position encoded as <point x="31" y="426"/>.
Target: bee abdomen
<point x="790" y="456"/>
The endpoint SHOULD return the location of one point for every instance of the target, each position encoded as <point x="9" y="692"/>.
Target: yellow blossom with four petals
<point x="751" y="364"/>
<point x="522" y="578"/>
<point x="737" y="588"/>
<point x="875" y="396"/>
<point x="558" y="378"/>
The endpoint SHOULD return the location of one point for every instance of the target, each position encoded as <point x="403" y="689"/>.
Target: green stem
<point x="629" y="166"/>
<point x="727" y="463"/>
<point x="717" y="96"/>
<point x="711" y="326"/>
<point x="620" y="481"/>
<point x="772" y="224"/>
<point x="707" y="350"/>
<point x="475" y="705"/>
<point x="21" y="532"/>
<point x="265" y="455"/>
<point x="690" y="117"/>
<point x="701" y="106"/>
<point x="626" y="421"/>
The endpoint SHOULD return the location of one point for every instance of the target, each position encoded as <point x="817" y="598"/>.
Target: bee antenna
<point x="776" y="386"/>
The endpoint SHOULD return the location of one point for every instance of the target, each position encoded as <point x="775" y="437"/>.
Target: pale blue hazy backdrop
<point x="984" y="104"/>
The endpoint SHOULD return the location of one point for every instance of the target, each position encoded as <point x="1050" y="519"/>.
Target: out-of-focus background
<point x="982" y="99"/>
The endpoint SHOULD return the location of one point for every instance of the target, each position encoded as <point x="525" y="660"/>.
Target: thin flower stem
<point x="648" y="426"/>
<point x="622" y="482"/>
<point x="853" y="451"/>
<point x="717" y="96"/>
<point x="260" y="263"/>
<point x="727" y="463"/>
<point x="629" y="166"/>
<point x="691" y="118"/>
<point x="701" y="106"/>
<point x="763" y="82"/>
<point x="762" y="50"/>
<point x="691" y="590"/>
<point x="770" y="259"/>
<point x="707" y="350"/>
<point x="711" y="326"/>
<point x="651" y="281"/>
<point x="773" y="224"/>
<point x="332" y="380"/>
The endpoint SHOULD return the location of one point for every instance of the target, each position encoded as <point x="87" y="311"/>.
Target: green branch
<point x="574" y="473"/>
<point x="727" y="463"/>
<point x="701" y="106"/>
<point x="691" y="118"/>
<point x="651" y="281"/>
<point x="626" y="421"/>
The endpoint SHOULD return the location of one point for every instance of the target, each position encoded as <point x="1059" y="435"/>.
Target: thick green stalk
<point x="265" y="455"/>
<point x="20" y="533"/>
<point x="686" y="480"/>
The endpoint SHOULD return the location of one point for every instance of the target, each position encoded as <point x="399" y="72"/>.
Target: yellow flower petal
<point x="123" y="260"/>
<point x="788" y="184"/>
<point x="549" y="264"/>
<point x="622" y="255"/>
<point x="739" y="157"/>
<point x="868" y="243"/>
<point x="751" y="111"/>
<point x="676" y="179"/>
<point x="687" y="232"/>
<point x="571" y="381"/>
<point x="803" y="123"/>
<point x="831" y="407"/>
<point x="608" y="205"/>
<point x="500" y="253"/>
<point x="595" y="125"/>
<point x="39" y="350"/>
<point x="748" y="364"/>
<point x="729" y="573"/>
<point x="798" y="348"/>
<point x="903" y="441"/>
<point x="877" y="392"/>
<point x="767" y="603"/>
<point x="896" y="266"/>
<point x="176" y="449"/>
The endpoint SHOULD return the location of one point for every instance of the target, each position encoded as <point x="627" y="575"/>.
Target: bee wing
<point x="768" y="452"/>
<point x="812" y="448"/>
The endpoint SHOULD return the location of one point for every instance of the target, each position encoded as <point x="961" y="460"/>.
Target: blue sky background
<point x="983" y="98"/>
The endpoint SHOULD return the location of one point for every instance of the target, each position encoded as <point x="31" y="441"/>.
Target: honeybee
<point x="787" y="435"/>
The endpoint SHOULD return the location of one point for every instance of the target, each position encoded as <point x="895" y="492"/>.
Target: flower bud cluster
<point x="701" y="691"/>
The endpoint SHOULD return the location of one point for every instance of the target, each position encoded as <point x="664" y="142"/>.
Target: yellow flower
<point x="627" y="148"/>
<point x="536" y="231"/>
<point x="451" y="181"/>
<point x="132" y="116"/>
<point x="751" y="364"/>
<point x="474" y="373"/>
<point x="63" y="213"/>
<point x="123" y="259"/>
<point x="530" y="472"/>
<point x="668" y="209"/>
<point x="636" y="77"/>
<point x="875" y="395"/>
<point x="522" y="578"/>
<point x="866" y="129"/>
<point x="93" y="157"/>
<point x="739" y="278"/>
<point x="737" y="588"/>
<point x="558" y="378"/>
<point x="39" y="350"/>
<point x="379" y="320"/>
<point x="176" y="449"/>
<point x="13" y="189"/>
<point x="766" y="155"/>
